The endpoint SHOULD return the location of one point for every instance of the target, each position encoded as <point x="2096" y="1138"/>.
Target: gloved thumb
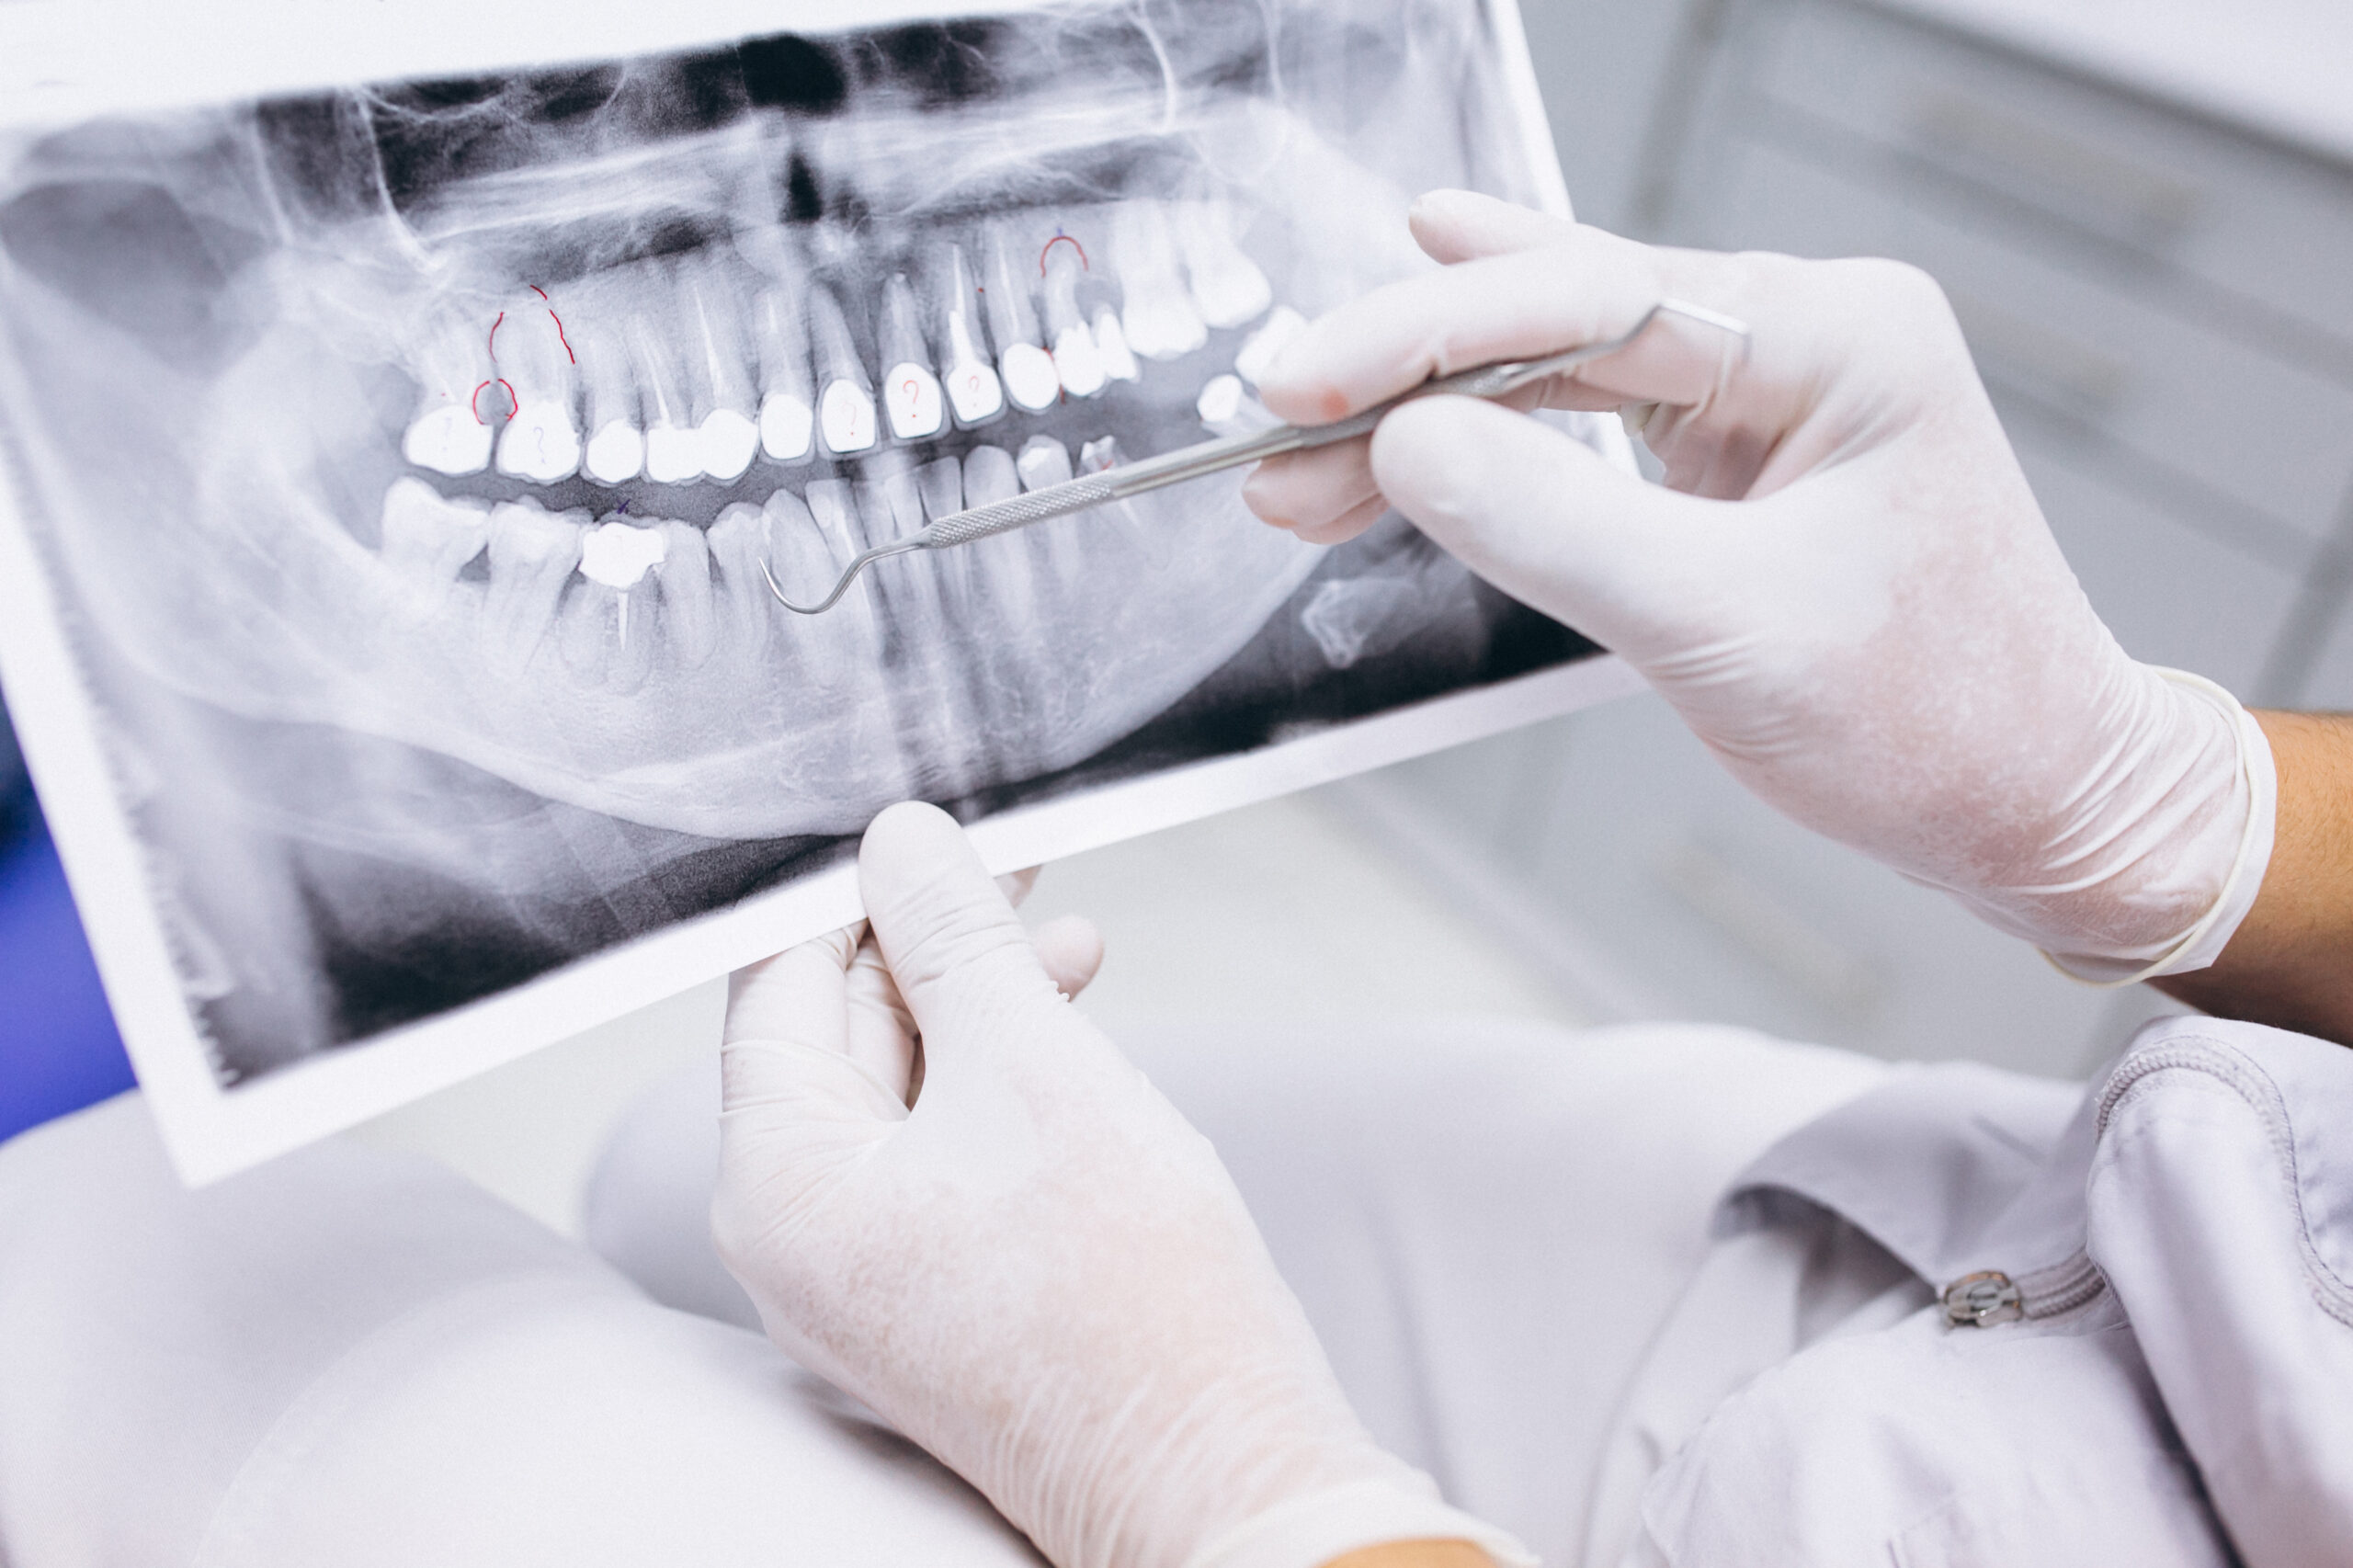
<point x="946" y="931"/>
<point x="1542" y="516"/>
<point x="1462" y="225"/>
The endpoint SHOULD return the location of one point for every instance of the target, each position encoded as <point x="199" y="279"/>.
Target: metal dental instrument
<point x="1235" y="452"/>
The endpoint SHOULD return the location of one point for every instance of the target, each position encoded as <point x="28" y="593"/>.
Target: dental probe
<point x="1235" y="452"/>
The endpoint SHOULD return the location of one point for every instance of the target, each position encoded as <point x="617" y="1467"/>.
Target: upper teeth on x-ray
<point x="426" y="458"/>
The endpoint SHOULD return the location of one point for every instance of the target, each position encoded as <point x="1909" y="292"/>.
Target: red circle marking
<point x="1064" y="240"/>
<point x="514" y="403"/>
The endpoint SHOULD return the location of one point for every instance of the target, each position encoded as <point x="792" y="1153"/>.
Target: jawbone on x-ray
<point x="420" y="465"/>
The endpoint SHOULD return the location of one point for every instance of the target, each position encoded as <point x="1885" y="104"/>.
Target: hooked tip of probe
<point x="850" y="575"/>
<point x="822" y="606"/>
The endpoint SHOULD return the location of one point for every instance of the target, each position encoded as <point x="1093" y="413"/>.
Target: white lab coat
<point x="1504" y="1234"/>
<point x="2173" y="1384"/>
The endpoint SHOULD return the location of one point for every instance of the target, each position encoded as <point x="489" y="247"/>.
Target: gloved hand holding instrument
<point x="1845" y="587"/>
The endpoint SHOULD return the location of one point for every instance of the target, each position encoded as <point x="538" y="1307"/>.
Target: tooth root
<point x="1228" y="287"/>
<point x="1005" y="570"/>
<point x="1157" y="313"/>
<point x="911" y="392"/>
<point x="975" y="393"/>
<point x="1111" y="343"/>
<point x="427" y="540"/>
<point x="1077" y="360"/>
<point x="727" y="429"/>
<point x="1125" y="516"/>
<point x="607" y="634"/>
<point x="1042" y="462"/>
<point x="939" y="485"/>
<point x="846" y="642"/>
<point x="738" y="542"/>
<point x="909" y="591"/>
<point x="673" y="446"/>
<point x="532" y="554"/>
<point x="814" y="541"/>
<point x="615" y="451"/>
<point x="684" y="583"/>
<point x="541" y="438"/>
<point x="836" y="520"/>
<point x="1031" y="380"/>
<point x="452" y="432"/>
<point x="1012" y="319"/>
<point x="806" y="557"/>
<point x="788" y="410"/>
<point x="846" y="420"/>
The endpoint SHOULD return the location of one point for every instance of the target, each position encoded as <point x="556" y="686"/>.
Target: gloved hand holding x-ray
<point x="1845" y="587"/>
<point x="1040" y="1273"/>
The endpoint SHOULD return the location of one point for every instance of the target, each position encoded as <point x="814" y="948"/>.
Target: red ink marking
<point x="514" y="403"/>
<point x="1062" y="239"/>
<point x="559" y="334"/>
<point x="494" y="338"/>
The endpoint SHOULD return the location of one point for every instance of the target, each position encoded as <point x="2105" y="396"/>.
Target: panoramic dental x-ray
<point x="420" y="469"/>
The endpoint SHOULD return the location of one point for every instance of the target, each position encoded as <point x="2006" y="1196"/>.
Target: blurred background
<point x="2142" y="211"/>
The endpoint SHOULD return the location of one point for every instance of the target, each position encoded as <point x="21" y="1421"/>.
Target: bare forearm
<point x="1414" y="1555"/>
<point x="2291" y="962"/>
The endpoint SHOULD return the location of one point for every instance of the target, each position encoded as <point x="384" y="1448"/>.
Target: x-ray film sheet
<point x="407" y="409"/>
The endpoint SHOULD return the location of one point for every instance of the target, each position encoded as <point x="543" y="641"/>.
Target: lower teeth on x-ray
<point x="426" y="461"/>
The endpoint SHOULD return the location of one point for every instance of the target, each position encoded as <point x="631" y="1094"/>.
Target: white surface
<point x="332" y="1339"/>
<point x="2284" y="67"/>
<point x="1272" y="914"/>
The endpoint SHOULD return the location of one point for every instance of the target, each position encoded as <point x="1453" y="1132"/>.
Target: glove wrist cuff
<point x="2204" y="942"/>
<point x="1309" y="1530"/>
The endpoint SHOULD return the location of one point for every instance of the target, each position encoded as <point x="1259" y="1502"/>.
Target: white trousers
<point x="356" y="1358"/>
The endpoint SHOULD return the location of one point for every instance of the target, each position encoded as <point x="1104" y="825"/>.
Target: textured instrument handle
<point x="1021" y="511"/>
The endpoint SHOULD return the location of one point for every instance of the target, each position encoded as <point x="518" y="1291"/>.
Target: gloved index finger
<point x="1589" y="288"/>
<point x="796" y="995"/>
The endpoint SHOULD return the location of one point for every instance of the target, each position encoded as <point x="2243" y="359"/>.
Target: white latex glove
<point x="1040" y="1273"/>
<point x="1847" y="590"/>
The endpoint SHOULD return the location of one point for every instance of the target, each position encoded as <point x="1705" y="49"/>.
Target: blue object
<point x="59" y="1050"/>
